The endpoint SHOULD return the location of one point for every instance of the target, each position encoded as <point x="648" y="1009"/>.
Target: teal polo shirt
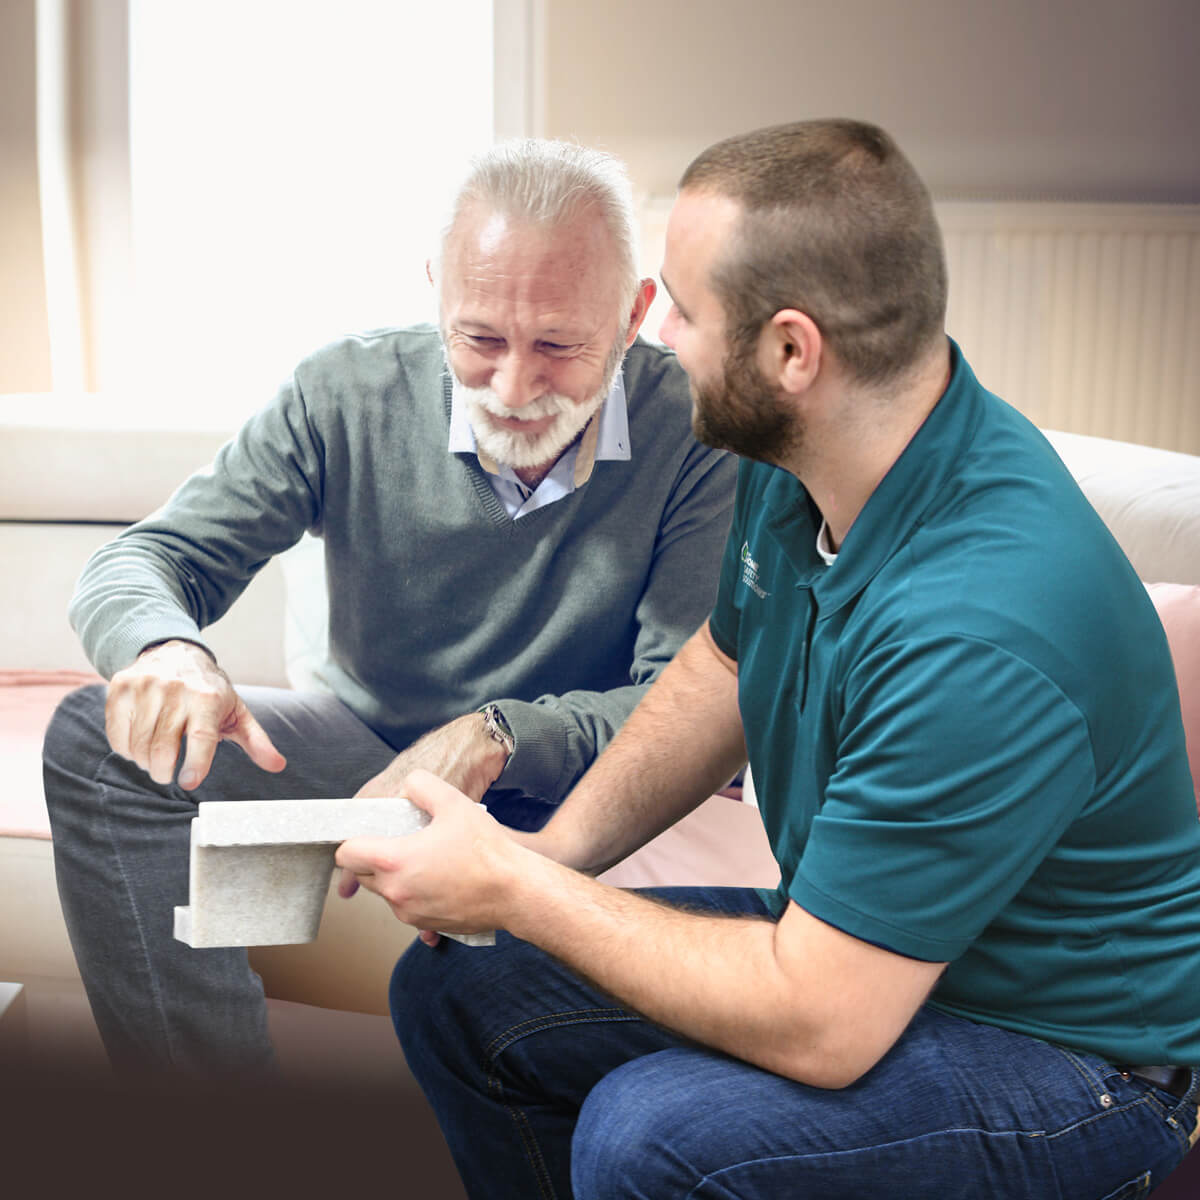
<point x="965" y="735"/>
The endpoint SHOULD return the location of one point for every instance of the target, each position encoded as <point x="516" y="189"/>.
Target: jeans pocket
<point x="1131" y="1190"/>
<point x="1112" y="1085"/>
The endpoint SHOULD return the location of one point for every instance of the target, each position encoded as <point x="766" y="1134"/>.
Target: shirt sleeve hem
<point x="726" y="645"/>
<point x="871" y="929"/>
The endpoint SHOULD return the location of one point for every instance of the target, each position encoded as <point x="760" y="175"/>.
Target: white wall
<point x="1073" y="99"/>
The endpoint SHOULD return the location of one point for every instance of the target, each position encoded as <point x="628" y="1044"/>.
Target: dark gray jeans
<point x="121" y="847"/>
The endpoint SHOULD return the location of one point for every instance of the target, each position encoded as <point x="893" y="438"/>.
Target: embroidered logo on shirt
<point x="750" y="573"/>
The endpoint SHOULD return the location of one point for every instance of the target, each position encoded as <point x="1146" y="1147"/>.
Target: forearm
<point x="682" y="742"/>
<point x="462" y="752"/>
<point x="718" y="980"/>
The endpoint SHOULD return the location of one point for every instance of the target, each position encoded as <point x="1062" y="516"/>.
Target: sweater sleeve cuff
<point x="120" y="648"/>
<point x="535" y="766"/>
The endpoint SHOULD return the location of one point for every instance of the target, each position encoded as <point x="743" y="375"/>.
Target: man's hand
<point x="450" y="875"/>
<point x="462" y="753"/>
<point x="174" y="690"/>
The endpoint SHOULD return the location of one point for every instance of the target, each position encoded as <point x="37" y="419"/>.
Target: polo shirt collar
<point x="895" y="507"/>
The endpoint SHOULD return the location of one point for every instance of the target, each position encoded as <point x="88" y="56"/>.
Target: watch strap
<point x="497" y="727"/>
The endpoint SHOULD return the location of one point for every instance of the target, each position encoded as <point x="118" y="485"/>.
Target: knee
<point x="431" y="996"/>
<point x="75" y="739"/>
<point x="448" y="1001"/>
<point x="633" y="1134"/>
<point x="407" y="992"/>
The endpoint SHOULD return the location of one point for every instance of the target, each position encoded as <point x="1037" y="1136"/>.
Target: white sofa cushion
<point x="1149" y="498"/>
<point x="42" y="561"/>
<point x="75" y="458"/>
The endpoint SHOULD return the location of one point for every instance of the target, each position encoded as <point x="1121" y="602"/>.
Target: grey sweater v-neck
<point x="438" y="600"/>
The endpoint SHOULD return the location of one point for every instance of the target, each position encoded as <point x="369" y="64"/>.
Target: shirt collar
<point x="904" y="495"/>
<point x="893" y="509"/>
<point x="606" y="436"/>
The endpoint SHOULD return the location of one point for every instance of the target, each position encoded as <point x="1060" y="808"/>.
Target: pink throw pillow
<point x="1178" y="606"/>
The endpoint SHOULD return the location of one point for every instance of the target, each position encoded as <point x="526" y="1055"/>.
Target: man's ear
<point x="646" y="292"/>
<point x="791" y="348"/>
<point x="429" y="271"/>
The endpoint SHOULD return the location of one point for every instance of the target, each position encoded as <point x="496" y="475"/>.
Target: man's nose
<point x="666" y="333"/>
<point x="517" y="380"/>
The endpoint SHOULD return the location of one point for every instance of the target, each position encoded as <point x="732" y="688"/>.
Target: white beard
<point x="512" y="448"/>
<point x="522" y="451"/>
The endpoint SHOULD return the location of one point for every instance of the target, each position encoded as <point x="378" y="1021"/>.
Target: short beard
<point x="740" y="411"/>
<point x="523" y="451"/>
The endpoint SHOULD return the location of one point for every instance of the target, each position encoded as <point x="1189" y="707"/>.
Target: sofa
<point x="68" y="482"/>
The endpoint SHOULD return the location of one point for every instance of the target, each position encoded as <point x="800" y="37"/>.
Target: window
<point x="291" y="161"/>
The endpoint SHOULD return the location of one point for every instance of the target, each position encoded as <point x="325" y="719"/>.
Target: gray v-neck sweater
<point x="438" y="600"/>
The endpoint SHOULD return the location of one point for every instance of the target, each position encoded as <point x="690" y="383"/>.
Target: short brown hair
<point x="835" y="223"/>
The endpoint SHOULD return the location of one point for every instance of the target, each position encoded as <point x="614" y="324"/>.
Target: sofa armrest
<point x="46" y="558"/>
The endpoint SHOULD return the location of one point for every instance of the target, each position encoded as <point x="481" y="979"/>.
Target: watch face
<point x="498" y="727"/>
<point x="503" y="725"/>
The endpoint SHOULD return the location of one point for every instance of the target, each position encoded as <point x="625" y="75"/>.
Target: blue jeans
<point x="545" y="1087"/>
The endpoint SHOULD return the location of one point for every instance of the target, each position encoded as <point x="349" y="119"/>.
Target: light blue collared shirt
<point x="605" y="437"/>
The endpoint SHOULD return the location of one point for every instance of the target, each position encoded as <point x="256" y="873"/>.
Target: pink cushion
<point x="27" y="702"/>
<point x="721" y="844"/>
<point x="1178" y="608"/>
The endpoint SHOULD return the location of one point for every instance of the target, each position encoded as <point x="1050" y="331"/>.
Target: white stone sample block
<point x="260" y="869"/>
<point x="13" y="1021"/>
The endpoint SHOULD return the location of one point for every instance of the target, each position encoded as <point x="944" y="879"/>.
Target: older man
<point x="515" y="546"/>
<point x="979" y="974"/>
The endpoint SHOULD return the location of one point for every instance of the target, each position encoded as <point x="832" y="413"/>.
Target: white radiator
<point x="1084" y="316"/>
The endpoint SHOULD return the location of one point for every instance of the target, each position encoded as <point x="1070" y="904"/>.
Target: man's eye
<point x="557" y="348"/>
<point x="483" y="342"/>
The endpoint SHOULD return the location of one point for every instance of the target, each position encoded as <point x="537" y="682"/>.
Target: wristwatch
<point x="497" y="727"/>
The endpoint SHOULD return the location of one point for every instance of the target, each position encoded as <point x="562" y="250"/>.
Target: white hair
<point x="548" y="183"/>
